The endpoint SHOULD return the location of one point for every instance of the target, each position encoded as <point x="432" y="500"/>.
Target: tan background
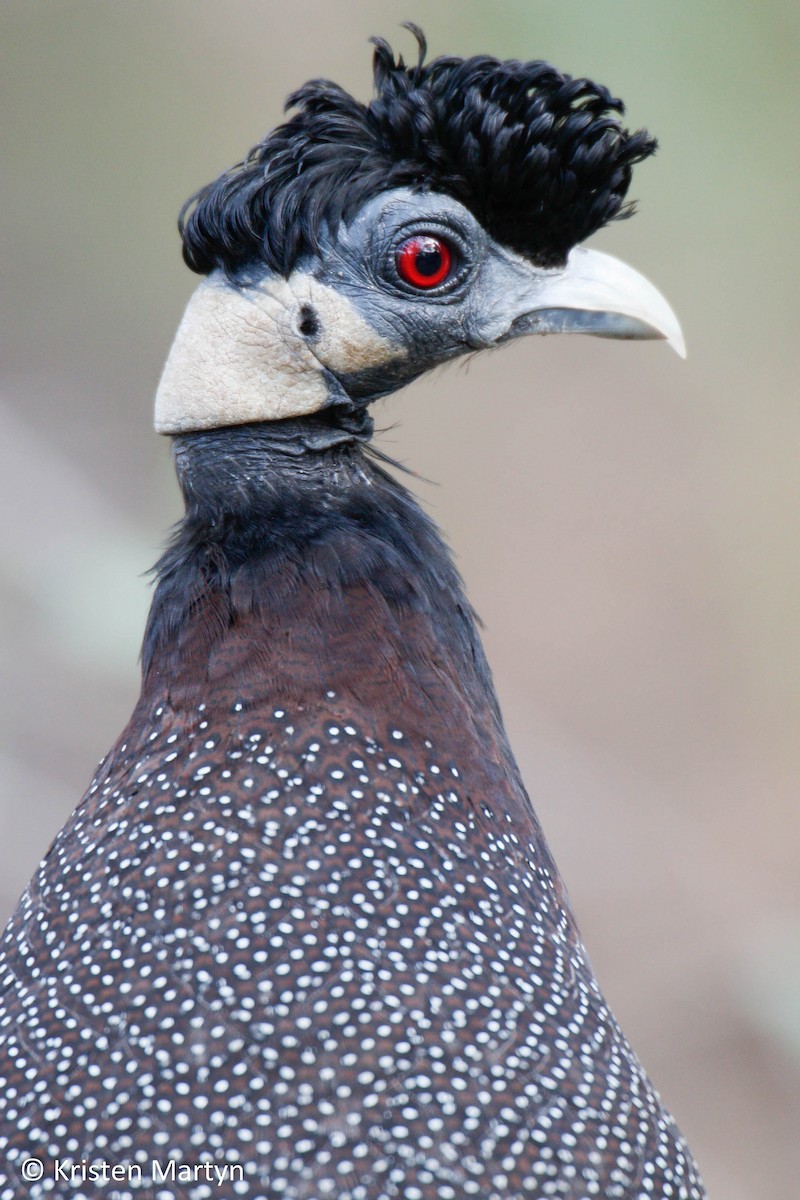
<point x="627" y="524"/>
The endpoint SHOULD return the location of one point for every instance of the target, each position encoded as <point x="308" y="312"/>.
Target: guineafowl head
<point x="358" y="245"/>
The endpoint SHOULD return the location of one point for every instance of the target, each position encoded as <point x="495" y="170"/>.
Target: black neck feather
<point x="303" y="499"/>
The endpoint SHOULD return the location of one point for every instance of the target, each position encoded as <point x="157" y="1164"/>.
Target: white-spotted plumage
<point x="267" y="952"/>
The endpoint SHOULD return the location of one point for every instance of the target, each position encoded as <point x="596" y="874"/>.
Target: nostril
<point x="308" y="323"/>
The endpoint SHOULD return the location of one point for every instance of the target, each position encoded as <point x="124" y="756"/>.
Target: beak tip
<point x="676" y="340"/>
<point x="679" y="346"/>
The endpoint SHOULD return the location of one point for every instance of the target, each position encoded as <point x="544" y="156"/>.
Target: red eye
<point x="423" y="260"/>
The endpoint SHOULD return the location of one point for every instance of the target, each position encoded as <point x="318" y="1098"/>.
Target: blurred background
<point x="627" y="523"/>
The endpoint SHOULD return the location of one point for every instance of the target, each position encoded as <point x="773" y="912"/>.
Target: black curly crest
<point x="538" y="157"/>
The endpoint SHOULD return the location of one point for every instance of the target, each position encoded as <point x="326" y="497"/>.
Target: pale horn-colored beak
<point x="602" y="296"/>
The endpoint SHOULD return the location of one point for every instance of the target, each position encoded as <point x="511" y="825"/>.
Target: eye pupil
<point x="424" y="261"/>
<point x="429" y="261"/>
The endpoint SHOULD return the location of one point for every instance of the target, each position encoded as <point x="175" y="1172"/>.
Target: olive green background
<point x="627" y="523"/>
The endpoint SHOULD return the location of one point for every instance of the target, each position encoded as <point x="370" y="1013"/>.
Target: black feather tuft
<point x="538" y="157"/>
